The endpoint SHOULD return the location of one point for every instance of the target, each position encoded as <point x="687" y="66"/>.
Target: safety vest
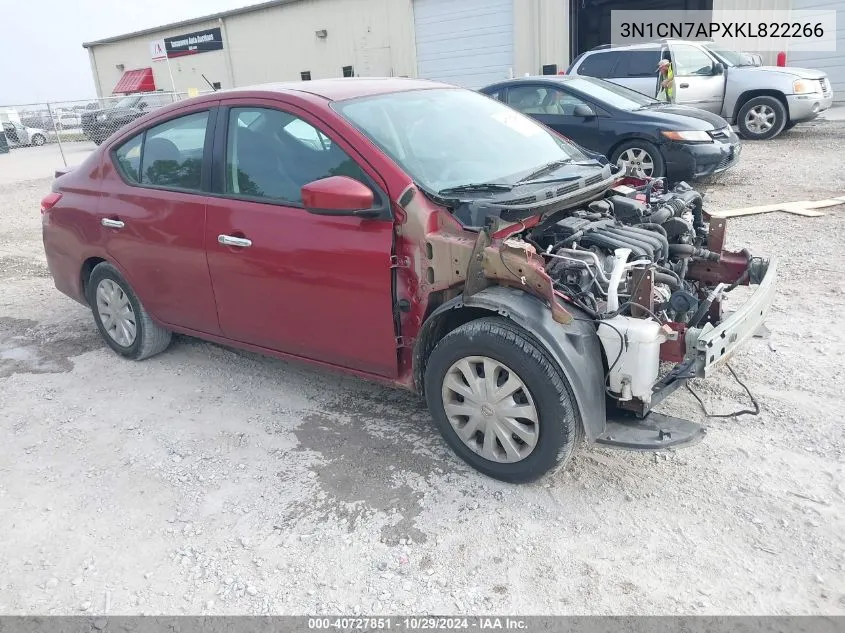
<point x="670" y="91"/>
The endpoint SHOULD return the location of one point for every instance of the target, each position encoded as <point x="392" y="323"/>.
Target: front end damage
<point x="642" y="263"/>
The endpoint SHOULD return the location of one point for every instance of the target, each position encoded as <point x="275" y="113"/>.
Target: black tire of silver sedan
<point x="500" y="401"/>
<point x="761" y="118"/>
<point x="122" y="320"/>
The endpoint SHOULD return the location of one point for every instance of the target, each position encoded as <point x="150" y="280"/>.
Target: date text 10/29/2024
<point x="421" y="623"/>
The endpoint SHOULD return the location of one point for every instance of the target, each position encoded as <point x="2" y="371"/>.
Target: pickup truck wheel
<point x="500" y="402"/>
<point x="122" y="320"/>
<point x="38" y="139"/>
<point x="789" y="125"/>
<point x="761" y="118"/>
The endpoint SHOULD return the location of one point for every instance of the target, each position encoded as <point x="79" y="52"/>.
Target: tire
<point x="38" y="140"/>
<point x="108" y="292"/>
<point x="766" y="117"/>
<point x="634" y="150"/>
<point x="544" y="393"/>
<point x="789" y="125"/>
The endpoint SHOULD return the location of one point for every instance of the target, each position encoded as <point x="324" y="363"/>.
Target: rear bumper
<point x="808" y="107"/>
<point x="713" y="346"/>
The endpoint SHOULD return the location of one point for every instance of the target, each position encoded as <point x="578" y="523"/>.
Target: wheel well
<point x="747" y="96"/>
<point x="627" y="139"/>
<point x="85" y="273"/>
<point x="434" y="329"/>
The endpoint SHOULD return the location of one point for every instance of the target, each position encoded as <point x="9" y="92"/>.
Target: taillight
<point x="49" y="201"/>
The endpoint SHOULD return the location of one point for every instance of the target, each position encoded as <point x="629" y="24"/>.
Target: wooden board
<point x="802" y="207"/>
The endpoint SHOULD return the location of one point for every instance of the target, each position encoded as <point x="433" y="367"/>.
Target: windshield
<point x="612" y="94"/>
<point x="449" y="137"/>
<point x="729" y="57"/>
<point x="127" y="102"/>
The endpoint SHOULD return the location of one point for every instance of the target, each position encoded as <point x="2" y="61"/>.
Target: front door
<point x="560" y="110"/>
<point x="314" y="286"/>
<point x="696" y="82"/>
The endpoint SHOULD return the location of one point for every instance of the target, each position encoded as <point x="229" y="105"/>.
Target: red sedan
<point x="407" y="232"/>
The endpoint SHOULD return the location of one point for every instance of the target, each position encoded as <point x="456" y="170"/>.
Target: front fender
<point x="574" y="346"/>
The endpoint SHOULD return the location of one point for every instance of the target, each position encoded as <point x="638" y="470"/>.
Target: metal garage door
<point x="833" y="63"/>
<point x="468" y="43"/>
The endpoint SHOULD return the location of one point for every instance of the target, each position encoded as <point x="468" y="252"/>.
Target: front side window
<point x="172" y="153"/>
<point x="272" y="154"/>
<point x="689" y="60"/>
<point x="446" y="137"/>
<point x="610" y="93"/>
<point x="544" y="100"/>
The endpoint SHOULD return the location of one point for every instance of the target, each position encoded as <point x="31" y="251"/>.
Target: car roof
<point x="340" y="88"/>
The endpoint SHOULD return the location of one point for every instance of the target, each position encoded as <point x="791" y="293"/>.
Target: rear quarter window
<point x="601" y="65"/>
<point x="638" y="64"/>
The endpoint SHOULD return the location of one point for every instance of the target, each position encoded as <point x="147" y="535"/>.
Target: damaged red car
<point x="416" y="234"/>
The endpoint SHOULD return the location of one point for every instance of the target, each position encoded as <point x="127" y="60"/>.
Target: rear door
<point x="152" y="217"/>
<point x="314" y="286"/>
<point x="696" y="83"/>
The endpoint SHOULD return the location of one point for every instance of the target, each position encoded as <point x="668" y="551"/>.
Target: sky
<point x="41" y="40"/>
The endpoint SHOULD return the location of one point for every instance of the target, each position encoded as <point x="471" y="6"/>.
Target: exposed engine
<point x="664" y="231"/>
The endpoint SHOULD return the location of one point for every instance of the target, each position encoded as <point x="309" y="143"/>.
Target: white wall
<point x="376" y="37"/>
<point x="541" y="35"/>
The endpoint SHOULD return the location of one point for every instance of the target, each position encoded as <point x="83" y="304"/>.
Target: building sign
<point x="192" y="43"/>
<point x="158" y="50"/>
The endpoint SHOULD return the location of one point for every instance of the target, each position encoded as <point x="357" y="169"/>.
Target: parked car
<point x="67" y="119"/>
<point x="4" y="144"/>
<point x="19" y="135"/>
<point x="660" y="139"/>
<point x="99" y="124"/>
<point x="761" y="100"/>
<point x="440" y="242"/>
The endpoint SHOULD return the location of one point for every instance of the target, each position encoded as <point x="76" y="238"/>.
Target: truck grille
<point x="825" y="84"/>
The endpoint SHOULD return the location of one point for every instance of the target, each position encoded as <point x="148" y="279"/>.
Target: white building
<point x="466" y="42"/>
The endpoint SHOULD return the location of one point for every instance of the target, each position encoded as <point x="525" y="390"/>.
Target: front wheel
<point x="38" y="139"/>
<point x="500" y="402"/>
<point x="642" y="155"/>
<point x="122" y="320"/>
<point x="761" y="118"/>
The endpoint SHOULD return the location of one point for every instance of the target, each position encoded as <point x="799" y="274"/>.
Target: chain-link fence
<point x="71" y="129"/>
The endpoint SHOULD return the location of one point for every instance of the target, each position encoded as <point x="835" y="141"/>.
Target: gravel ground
<point x="207" y="480"/>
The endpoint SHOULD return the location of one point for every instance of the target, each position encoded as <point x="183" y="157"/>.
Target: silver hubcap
<point x="760" y="119"/>
<point x="116" y="313"/>
<point x="639" y="158"/>
<point x="491" y="409"/>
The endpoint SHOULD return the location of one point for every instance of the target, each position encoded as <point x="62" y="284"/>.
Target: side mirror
<point x="583" y="110"/>
<point x="718" y="68"/>
<point x="339" y="196"/>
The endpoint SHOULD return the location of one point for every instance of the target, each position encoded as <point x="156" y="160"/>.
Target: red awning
<point x="140" y="80"/>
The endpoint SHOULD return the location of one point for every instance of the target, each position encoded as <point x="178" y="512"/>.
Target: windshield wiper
<point x="544" y="169"/>
<point x="475" y="186"/>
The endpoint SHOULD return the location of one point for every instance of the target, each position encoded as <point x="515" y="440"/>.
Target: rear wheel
<point x="500" y="402"/>
<point x="122" y="320"/>
<point x="761" y="118"/>
<point x="789" y="125"/>
<point x="642" y="155"/>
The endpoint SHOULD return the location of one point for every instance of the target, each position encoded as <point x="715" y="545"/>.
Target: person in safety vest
<point x="666" y="92"/>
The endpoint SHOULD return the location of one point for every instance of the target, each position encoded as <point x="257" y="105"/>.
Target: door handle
<point x="684" y="85"/>
<point x="112" y="224"/>
<point x="231" y="240"/>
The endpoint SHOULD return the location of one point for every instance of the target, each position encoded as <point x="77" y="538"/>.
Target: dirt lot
<point x="206" y="480"/>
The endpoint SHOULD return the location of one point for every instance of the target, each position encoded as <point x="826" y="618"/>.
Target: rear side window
<point x="172" y="153"/>
<point x="638" y="64"/>
<point x="601" y="65"/>
<point x="167" y="155"/>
